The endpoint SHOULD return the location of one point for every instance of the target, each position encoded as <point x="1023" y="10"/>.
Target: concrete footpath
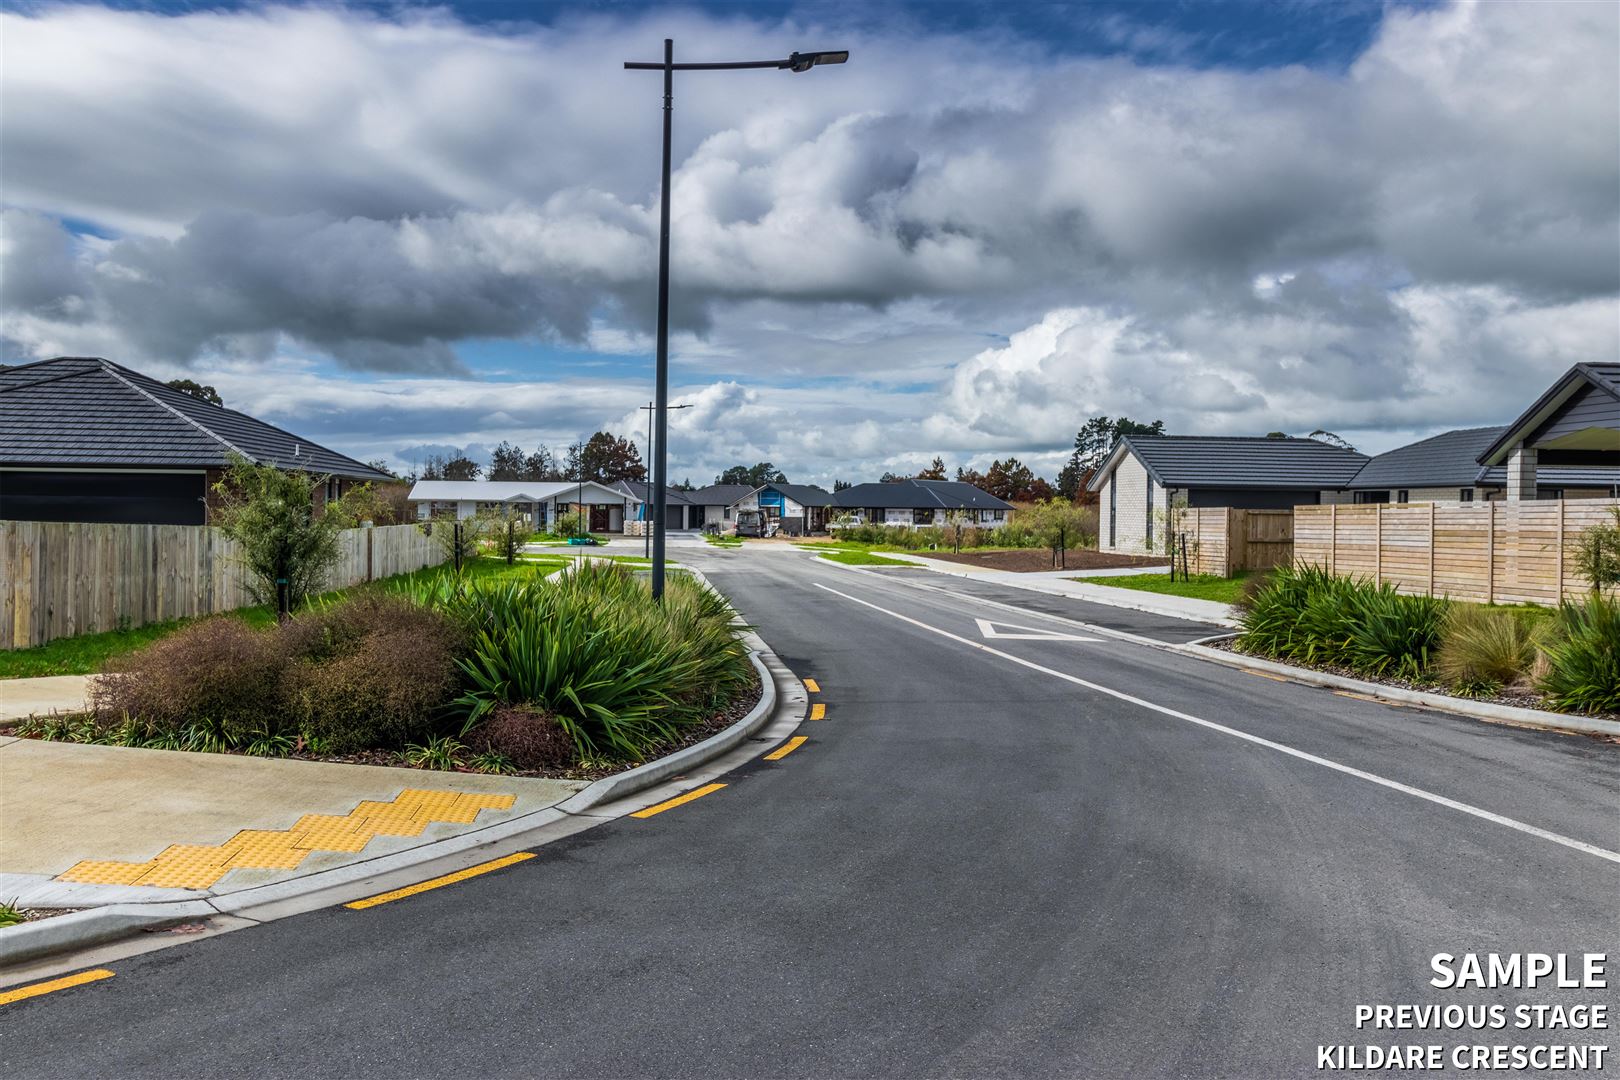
<point x="92" y="825"/>
<point x="1062" y="583"/>
<point x="20" y="698"/>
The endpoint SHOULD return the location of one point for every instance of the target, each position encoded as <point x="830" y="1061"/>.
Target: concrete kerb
<point x="1479" y="710"/>
<point x="34" y="941"/>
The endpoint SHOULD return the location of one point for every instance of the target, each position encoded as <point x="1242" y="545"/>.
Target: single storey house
<point x="715" y="504"/>
<point x="539" y="501"/>
<point x="85" y="439"/>
<point x="1446" y="468"/>
<point x="1144" y="475"/>
<point x="1574" y="426"/>
<point x="796" y="509"/>
<point x="922" y="503"/>
<point x="680" y="512"/>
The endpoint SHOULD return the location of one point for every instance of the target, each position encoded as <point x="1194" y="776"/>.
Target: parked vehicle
<point x="755" y="523"/>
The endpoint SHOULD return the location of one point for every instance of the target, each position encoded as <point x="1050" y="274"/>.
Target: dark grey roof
<point x="1561" y="476"/>
<point x="919" y="495"/>
<point x="1604" y="376"/>
<point x="85" y="411"/>
<point x="643" y="492"/>
<point x="805" y="494"/>
<point x="1193" y="461"/>
<point x="718" y="494"/>
<point x="1445" y="460"/>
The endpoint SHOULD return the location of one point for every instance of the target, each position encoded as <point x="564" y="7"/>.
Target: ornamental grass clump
<point x="1483" y="649"/>
<point x="1581" y="657"/>
<point x="619" y="673"/>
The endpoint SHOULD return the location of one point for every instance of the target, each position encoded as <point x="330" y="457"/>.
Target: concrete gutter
<point x="29" y="942"/>
<point x="1480" y="710"/>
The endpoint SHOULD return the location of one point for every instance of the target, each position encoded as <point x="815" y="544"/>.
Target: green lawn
<point x="860" y="558"/>
<point x="1200" y="587"/>
<point x="86" y="654"/>
<point x="722" y="541"/>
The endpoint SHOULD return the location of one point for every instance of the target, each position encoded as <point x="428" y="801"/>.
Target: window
<point x="727" y="514"/>
<point x="922" y="517"/>
<point x="1148" y="535"/>
<point x="1549" y="493"/>
<point x="1368" y="497"/>
<point x="1113" y="507"/>
<point x="1403" y="495"/>
<point x="1465" y="495"/>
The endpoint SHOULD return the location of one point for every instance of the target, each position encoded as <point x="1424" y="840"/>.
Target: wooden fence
<point x="63" y="579"/>
<point x="1491" y="552"/>
<point x="1223" y="541"/>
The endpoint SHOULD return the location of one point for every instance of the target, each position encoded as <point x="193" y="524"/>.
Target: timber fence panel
<point x="1489" y="552"/>
<point x="65" y="578"/>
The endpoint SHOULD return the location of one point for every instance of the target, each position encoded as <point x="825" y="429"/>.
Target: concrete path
<point x="20" y="698"/>
<point x="87" y="825"/>
<point x="1060" y="583"/>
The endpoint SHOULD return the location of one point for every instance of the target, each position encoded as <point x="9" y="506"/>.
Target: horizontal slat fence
<point x="65" y="578"/>
<point x="1488" y="552"/>
<point x="1223" y="541"/>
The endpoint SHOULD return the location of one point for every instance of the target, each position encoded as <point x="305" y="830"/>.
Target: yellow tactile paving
<point x="198" y="866"/>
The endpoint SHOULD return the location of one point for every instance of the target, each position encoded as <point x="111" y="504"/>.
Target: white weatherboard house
<point x="540" y="500"/>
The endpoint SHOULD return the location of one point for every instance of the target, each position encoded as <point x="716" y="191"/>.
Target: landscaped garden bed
<point x="1560" y="660"/>
<point x="578" y="676"/>
<point x="1036" y="560"/>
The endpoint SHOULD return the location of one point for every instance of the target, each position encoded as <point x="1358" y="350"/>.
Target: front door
<point x="599" y="519"/>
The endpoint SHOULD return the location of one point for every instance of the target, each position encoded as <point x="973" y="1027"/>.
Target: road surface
<point x="1018" y="855"/>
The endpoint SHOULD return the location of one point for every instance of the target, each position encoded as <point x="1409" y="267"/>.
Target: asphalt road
<point x="976" y="866"/>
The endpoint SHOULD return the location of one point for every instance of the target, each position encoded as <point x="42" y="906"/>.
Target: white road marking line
<point x="1360" y="774"/>
<point x="988" y="629"/>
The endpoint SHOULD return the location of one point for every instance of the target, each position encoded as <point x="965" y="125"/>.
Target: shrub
<point x="1307" y="614"/>
<point x="569" y="524"/>
<point x="1483" y="649"/>
<point x="526" y="735"/>
<point x="1582" y="654"/>
<point x="270" y="513"/>
<point x="620" y="673"/>
<point x="1597" y="553"/>
<point x="219" y="671"/>
<point x="374" y="670"/>
<point x="1393" y="634"/>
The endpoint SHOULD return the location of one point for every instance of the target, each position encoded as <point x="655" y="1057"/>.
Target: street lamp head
<point x="805" y="61"/>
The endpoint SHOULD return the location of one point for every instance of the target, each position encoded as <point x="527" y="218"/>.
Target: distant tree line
<point x="603" y="458"/>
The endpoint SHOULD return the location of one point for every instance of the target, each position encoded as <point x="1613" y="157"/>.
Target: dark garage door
<point x="116" y="498"/>
<point x="1249" y="499"/>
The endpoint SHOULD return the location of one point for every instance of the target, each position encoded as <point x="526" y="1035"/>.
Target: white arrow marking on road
<point x="988" y="629"/>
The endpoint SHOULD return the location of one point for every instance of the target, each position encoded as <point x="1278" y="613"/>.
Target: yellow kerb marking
<point x="787" y="747"/>
<point x="697" y="793"/>
<point x="439" y="882"/>
<point x="1366" y="697"/>
<point x="1265" y="675"/>
<point x="818" y="711"/>
<point x="23" y="993"/>
<point x="812" y="686"/>
<point x="199" y="866"/>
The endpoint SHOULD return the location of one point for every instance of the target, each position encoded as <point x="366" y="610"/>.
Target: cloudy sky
<point x="400" y="229"/>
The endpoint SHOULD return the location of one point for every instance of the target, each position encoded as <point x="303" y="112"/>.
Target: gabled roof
<point x="719" y="494"/>
<point x="919" y="495"/>
<point x="1445" y="460"/>
<point x="1222" y="461"/>
<point x="803" y="494"/>
<point x="1604" y="378"/>
<point x="642" y="492"/>
<point x="509" y="491"/>
<point x="86" y="412"/>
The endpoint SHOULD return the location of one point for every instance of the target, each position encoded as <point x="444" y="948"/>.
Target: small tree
<point x="501" y="531"/>
<point x="458" y="539"/>
<point x="1597" y="553"/>
<point x="569" y="523"/>
<point x="1061" y="525"/>
<point x="270" y="513"/>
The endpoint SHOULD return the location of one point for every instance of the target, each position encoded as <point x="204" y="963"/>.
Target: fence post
<point x="1560" y="593"/>
<point x="1378" y="543"/>
<point x="1490" y="552"/>
<point x="371" y="537"/>
<point x="1333" y="538"/>
<point x="1431" y="548"/>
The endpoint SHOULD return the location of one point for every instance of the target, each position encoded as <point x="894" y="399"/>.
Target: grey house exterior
<point x="922" y="503"/>
<point x="1146" y="474"/>
<point x="85" y="439"/>
<point x="797" y="509"/>
<point x="1574" y="426"/>
<point x="1446" y="468"/>
<point x="716" y="504"/>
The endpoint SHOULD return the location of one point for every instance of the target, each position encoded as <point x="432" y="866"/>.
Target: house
<point x="679" y="511"/>
<point x="1574" y="426"/>
<point x="922" y="503"/>
<point x="1446" y="468"/>
<point x="1145" y="474"/>
<point x="715" y="504"/>
<point x="540" y="501"/>
<point x="85" y="439"/>
<point x="797" y="509"/>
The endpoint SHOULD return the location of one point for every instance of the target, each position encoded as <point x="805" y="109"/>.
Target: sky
<point x="401" y="230"/>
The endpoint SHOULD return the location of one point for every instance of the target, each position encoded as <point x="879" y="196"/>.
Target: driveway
<point x="1006" y="851"/>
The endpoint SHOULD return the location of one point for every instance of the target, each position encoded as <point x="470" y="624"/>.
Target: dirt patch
<point x="1035" y="560"/>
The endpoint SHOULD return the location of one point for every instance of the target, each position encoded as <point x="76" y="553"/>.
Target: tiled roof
<point x="1444" y="460"/>
<point x="505" y="490"/>
<point x="88" y="412"/>
<point x="919" y="495"/>
<point x="804" y="494"/>
<point x="718" y="494"/>
<point x="643" y="492"/>
<point x="1184" y="461"/>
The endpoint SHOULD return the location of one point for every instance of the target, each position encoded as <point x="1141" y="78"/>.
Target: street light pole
<point x="646" y="532"/>
<point x="794" y="62"/>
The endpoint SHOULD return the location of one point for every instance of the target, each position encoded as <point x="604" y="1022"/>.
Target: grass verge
<point x="861" y="558"/>
<point x="1198" y="587"/>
